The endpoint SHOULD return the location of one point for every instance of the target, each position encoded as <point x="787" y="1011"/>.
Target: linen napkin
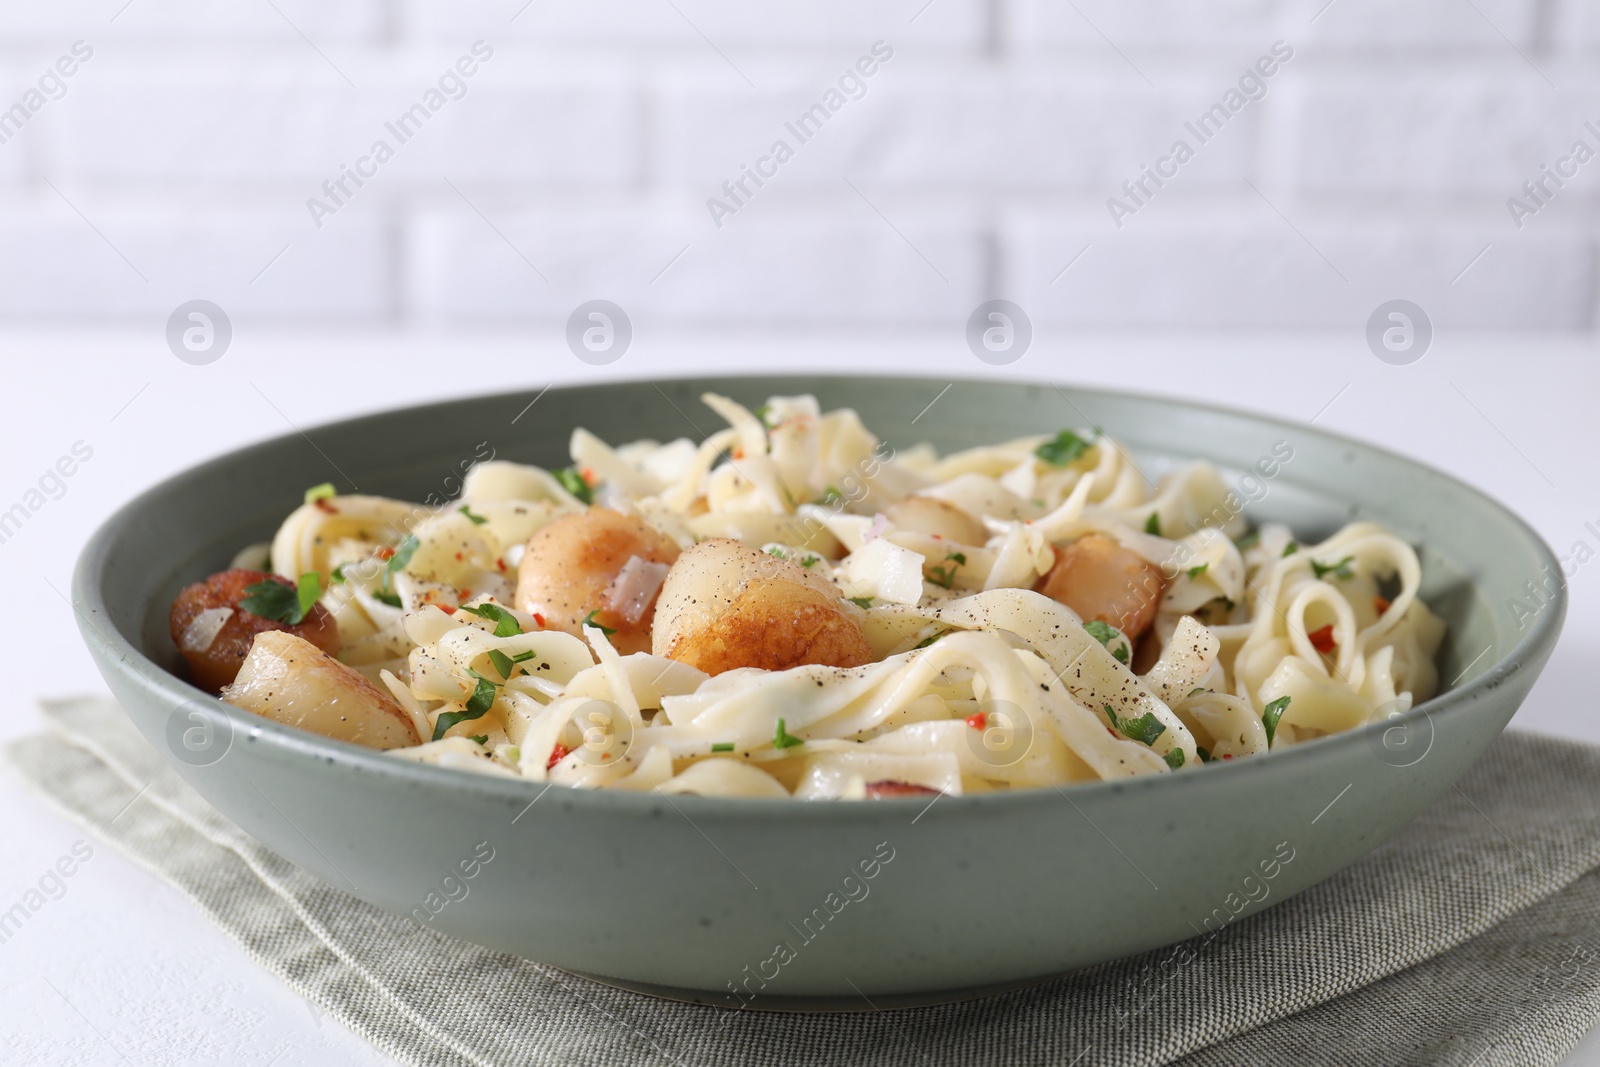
<point x="1472" y="938"/>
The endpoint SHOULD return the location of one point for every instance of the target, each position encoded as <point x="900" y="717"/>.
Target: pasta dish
<point x="792" y="608"/>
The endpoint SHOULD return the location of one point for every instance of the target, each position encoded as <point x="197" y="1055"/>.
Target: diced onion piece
<point x="883" y="569"/>
<point x="203" y="629"/>
<point x="635" y="586"/>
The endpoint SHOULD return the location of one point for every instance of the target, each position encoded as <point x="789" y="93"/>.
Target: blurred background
<point x="577" y="162"/>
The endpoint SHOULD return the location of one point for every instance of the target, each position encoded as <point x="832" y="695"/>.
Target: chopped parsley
<point x="1152" y="525"/>
<point x="1338" y="570"/>
<point x="478" y="705"/>
<point x="1270" y="716"/>
<point x="811" y="561"/>
<point x="338" y="575"/>
<point x="930" y="639"/>
<point x="1290" y="549"/>
<point x="1248" y="541"/>
<point x="777" y="552"/>
<point x="1205" y="756"/>
<point x="1064" y="449"/>
<point x="1145" y="729"/>
<point x="945" y="574"/>
<point x="1105" y="634"/>
<point x="477" y="520"/>
<point x="283" y="603"/>
<point x="507" y="664"/>
<point x="722" y="746"/>
<point x="831" y="497"/>
<point x="397" y="562"/>
<point x="1174" y="758"/>
<point x="505" y="623"/>
<point x="861" y="601"/>
<point x="764" y="413"/>
<point x="589" y="620"/>
<point x="1196" y="691"/>
<point x="482" y="739"/>
<point x="783" y="739"/>
<point x="325" y="491"/>
<point x="573" y="483"/>
<point x="1195" y="572"/>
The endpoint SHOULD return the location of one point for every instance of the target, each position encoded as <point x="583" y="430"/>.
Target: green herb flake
<point x="1120" y="654"/>
<point x="861" y="601"/>
<point x="765" y="413"/>
<point x="1064" y="449"/>
<point x="1338" y="570"/>
<point x="502" y="663"/>
<point x="573" y="483"/>
<point x="1248" y="541"/>
<point x="1195" y="572"/>
<point x="1152" y="525"/>
<point x="1100" y="631"/>
<point x="777" y="552"/>
<point x="1270" y="716"/>
<point x="945" y="574"/>
<point x="1145" y="729"/>
<point x="1174" y="758"/>
<point x="1196" y="691"/>
<point x="1290" y="549"/>
<point x="722" y="746"/>
<point x="831" y="497"/>
<point x="783" y="739"/>
<point x="589" y="620"/>
<point x="271" y="600"/>
<point x="482" y="739"/>
<point x="505" y="623"/>
<point x="477" y="520"/>
<point x="397" y="562"/>
<point x="478" y="705"/>
<point x="1205" y="756"/>
<point x="811" y="561"/>
<point x="338" y="575"/>
<point x="926" y="641"/>
<point x="325" y="491"/>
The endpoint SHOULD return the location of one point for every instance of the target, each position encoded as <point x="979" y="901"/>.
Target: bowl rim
<point x="285" y="743"/>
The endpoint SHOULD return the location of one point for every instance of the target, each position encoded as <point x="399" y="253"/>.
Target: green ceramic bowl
<point x="813" y="905"/>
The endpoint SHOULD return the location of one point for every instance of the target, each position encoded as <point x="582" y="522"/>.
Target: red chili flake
<point x="557" y="754"/>
<point x="1322" y="640"/>
<point x="538" y="619"/>
<point x="460" y="556"/>
<point x="1226" y="756"/>
<point x="501" y="564"/>
<point x="385" y="552"/>
<point x="464" y="594"/>
<point x="738" y="453"/>
<point x="446" y="608"/>
<point x="1381" y="604"/>
<point x="978" y="721"/>
<point x="589" y="479"/>
<point x="321" y="504"/>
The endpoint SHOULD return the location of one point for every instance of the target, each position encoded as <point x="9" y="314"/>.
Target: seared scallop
<point x="597" y="565"/>
<point x="727" y="605"/>
<point x="289" y="680"/>
<point x="1099" y="579"/>
<point x="214" y="633"/>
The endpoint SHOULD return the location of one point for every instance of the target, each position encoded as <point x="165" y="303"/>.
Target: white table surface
<point x="122" y="969"/>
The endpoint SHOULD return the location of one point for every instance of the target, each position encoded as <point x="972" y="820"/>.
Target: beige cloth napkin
<point x="1473" y="938"/>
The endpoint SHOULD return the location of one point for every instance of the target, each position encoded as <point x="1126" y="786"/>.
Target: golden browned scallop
<point x="1099" y="579"/>
<point x="292" y="681"/>
<point x="214" y="633"/>
<point x="938" y="518"/>
<point x="597" y="562"/>
<point x="727" y="605"/>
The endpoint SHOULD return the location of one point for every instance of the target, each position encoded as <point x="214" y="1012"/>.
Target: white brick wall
<point x="978" y="162"/>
